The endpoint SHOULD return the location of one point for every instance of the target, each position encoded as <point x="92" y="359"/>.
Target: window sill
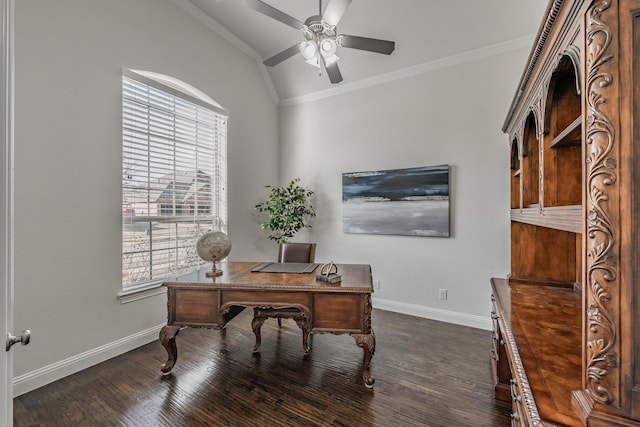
<point x="146" y="290"/>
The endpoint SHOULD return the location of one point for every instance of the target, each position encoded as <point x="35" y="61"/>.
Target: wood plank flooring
<point x="427" y="373"/>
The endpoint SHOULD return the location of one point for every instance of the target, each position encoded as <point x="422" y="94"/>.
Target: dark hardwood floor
<point x="427" y="373"/>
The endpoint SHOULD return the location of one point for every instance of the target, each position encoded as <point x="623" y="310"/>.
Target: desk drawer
<point x="341" y="313"/>
<point x="264" y="298"/>
<point x="193" y="307"/>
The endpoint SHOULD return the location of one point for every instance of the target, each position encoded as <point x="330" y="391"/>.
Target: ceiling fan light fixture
<point x="314" y="62"/>
<point x="328" y="47"/>
<point x="308" y="49"/>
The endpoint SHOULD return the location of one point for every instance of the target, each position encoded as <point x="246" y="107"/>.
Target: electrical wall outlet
<point x="442" y="294"/>
<point x="376" y="284"/>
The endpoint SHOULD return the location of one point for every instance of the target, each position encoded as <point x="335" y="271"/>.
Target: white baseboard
<point x="48" y="374"/>
<point x="464" y="319"/>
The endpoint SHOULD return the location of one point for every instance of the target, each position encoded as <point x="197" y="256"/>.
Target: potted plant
<point x="288" y="207"/>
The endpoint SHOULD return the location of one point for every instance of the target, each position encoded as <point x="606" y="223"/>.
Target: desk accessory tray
<point x="285" y="267"/>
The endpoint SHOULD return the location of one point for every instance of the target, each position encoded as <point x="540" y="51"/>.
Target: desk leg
<point x="256" y="324"/>
<point x="168" y="339"/>
<point x="368" y="343"/>
<point x="303" y="324"/>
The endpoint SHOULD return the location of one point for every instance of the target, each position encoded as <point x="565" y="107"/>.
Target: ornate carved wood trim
<point x="368" y="310"/>
<point x="534" y="56"/>
<point x="573" y="53"/>
<point x="601" y="200"/>
<point x="538" y="110"/>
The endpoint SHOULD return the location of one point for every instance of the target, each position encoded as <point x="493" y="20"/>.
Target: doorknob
<point x="23" y="338"/>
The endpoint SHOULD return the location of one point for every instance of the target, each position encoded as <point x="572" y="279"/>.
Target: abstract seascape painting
<point x="407" y="202"/>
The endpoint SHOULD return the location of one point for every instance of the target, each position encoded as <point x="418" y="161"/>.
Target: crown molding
<point x="426" y="67"/>
<point x="219" y="29"/>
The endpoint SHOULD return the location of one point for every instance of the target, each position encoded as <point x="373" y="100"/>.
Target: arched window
<point x="174" y="168"/>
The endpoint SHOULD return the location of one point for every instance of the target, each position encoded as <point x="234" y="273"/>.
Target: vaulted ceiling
<point x="426" y="33"/>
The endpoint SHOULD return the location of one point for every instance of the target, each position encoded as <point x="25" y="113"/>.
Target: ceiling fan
<point x="321" y="37"/>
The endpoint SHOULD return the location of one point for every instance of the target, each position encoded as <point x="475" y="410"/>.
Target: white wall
<point x="69" y="57"/>
<point x="448" y="116"/>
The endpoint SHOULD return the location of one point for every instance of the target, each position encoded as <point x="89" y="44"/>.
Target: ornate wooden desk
<point x="343" y="308"/>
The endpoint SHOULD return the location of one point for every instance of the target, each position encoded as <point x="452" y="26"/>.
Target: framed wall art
<point x="408" y="202"/>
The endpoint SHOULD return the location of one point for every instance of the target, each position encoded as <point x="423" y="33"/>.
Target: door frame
<point x="6" y="204"/>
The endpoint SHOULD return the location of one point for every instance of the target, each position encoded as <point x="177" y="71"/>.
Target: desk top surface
<point x="356" y="278"/>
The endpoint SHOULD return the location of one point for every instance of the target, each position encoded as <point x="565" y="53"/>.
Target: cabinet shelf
<point x="571" y="135"/>
<point x="566" y="218"/>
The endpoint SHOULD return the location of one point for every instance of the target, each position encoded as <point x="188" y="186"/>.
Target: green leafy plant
<point x="288" y="207"/>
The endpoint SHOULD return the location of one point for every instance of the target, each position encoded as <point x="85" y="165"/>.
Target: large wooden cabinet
<point x="567" y="319"/>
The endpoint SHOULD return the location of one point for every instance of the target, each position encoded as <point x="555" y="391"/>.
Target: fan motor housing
<point x="315" y="26"/>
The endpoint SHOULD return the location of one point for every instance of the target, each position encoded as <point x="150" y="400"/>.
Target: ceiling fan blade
<point x="279" y="57"/>
<point x="335" y="76"/>
<point x="365" y="43"/>
<point x="334" y="11"/>
<point x="272" y="12"/>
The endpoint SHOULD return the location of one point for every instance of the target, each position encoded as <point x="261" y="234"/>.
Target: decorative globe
<point x="213" y="246"/>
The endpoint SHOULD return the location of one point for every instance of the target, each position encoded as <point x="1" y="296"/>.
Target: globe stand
<point x="215" y="271"/>
<point x="213" y="246"/>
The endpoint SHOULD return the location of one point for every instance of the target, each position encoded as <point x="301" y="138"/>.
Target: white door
<point x="6" y="210"/>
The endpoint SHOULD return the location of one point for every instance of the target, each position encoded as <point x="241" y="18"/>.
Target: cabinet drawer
<point x="494" y="313"/>
<point x="517" y="411"/>
<point x="495" y="334"/>
<point x="494" y="356"/>
<point x="494" y="345"/>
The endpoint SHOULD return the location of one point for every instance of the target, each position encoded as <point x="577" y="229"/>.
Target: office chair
<point x="296" y="252"/>
<point x="287" y="252"/>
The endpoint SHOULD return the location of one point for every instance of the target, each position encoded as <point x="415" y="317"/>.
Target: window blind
<point x="173" y="180"/>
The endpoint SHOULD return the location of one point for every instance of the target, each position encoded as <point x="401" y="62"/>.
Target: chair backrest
<point x="296" y="252"/>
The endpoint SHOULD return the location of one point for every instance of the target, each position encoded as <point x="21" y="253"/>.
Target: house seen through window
<point x="173" y="175"/>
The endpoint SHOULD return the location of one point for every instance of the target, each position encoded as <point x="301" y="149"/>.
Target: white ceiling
<point x="424" y="31"/>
